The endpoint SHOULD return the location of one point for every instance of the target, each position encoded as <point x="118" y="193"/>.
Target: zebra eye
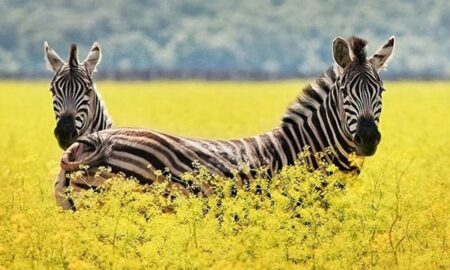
<point x="89" y="90"/>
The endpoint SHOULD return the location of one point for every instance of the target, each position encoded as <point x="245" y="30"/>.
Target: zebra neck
<point x="100" y="119"/>
<point x="314" y="122"/>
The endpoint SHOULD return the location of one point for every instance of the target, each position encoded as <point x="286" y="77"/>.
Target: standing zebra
<point x="339" y="111"/>
<point x="78" y="108"/>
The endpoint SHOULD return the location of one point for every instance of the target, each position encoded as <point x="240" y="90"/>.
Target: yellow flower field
<point x="395" y="215"/>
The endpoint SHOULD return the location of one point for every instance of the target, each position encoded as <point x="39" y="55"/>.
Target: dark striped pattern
<point x="322" y="117"/>
<point x="74" y="94"/>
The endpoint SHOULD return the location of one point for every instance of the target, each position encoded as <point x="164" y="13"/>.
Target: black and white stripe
<point x="322" y="117"/>
<point x="75" y="98"/>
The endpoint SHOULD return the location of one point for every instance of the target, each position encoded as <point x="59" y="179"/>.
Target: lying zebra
<point x="339" y="111"/>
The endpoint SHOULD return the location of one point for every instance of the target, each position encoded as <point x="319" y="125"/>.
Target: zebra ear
<point x="93" y="59"/>
<point x="341" y="52"/>
<point x="53" y="60"/>
<point x="383" y="55"/>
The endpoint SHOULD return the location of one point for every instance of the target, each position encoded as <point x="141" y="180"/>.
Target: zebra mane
<point x="73" y="56"/>
<point x="315" y="93"/>
<point x="310" y="98"/>
<point x="358" y="47"/>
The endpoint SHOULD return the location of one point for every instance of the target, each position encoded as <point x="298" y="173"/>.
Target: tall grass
<point x="394" y="215"/>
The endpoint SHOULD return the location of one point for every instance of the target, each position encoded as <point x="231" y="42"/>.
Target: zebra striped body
<point x="318" y="119"/>
<point x="78" y="108"/>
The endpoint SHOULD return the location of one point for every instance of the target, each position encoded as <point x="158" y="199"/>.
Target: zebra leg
<point x="74" y="157"/>
<point x="90" y="179"/>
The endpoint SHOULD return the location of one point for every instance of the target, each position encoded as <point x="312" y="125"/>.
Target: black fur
<point x="358" y="46"/>
<point x="73" y="56"/>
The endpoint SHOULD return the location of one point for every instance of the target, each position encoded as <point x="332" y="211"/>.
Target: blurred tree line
<point x="222" y="39"/>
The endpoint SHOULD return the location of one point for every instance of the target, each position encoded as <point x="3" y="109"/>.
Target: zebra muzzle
<point x="367" y="137"/>
<point x="65" y="131"/>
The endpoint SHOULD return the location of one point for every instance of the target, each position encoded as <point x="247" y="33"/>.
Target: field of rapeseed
<point x="395" y="215"/>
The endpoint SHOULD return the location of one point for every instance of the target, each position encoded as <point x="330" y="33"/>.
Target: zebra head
<point x="73" y="92"/>
<point x="360" y="90"/>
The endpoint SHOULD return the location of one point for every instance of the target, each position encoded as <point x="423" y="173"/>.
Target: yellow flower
<point x="77" y="264"/>
<point x="18" y="219"/>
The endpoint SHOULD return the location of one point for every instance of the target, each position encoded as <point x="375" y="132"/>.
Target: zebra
<point x="78" y="107"/>
<point x="339" y="111"/>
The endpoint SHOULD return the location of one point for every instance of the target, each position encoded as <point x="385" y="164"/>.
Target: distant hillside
<point x="223" y="39"/>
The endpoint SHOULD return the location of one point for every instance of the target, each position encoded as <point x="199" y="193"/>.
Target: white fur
<point x="53" y="60"/>
<point x="94" y="58"/>
<point x="386" y="53"/>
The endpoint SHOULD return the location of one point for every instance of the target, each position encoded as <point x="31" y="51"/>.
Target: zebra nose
<point x="74" y="134"/>
<point x="375" y="139"/>
<point x="65" y="131"/>
<point x="358" y="139"/>
<point x="367" y="136"/>
<point x="367" y="132"/>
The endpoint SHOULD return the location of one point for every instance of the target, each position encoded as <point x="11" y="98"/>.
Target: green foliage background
<point x="279" y="37"/>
